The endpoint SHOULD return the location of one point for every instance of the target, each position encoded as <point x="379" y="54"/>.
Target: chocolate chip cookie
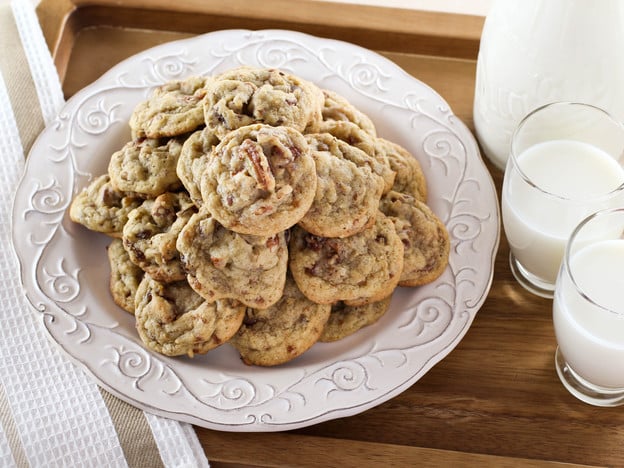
<point x="425" y="238"/>
<point x="248" y="95"/>
<point x="338" y="108"/>
<point x="125" y="276"/>
<point x="146" y="167"/>
<point x="345" y="320"/>
<point x="355" y="136"/>
<point x="194" y="156"/>
<point x="359" y="269"/>
<point x="278" y="334"/>
<point x="221" y="263"/>
<point x="174" y="320"/>
<point x="410" y="178"/>
<point x="175" y="108"/>
<point x="151" y="232"/>
<point x="347" y="191"/>
<point x="261" y="180"/>
<point x="101" y="208"/>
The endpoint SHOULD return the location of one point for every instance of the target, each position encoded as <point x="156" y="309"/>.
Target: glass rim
<point x="513" y="156"/>
<point x="568" y="251"/>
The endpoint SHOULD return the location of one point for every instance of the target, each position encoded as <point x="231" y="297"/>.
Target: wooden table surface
<point x="495" y="400"/>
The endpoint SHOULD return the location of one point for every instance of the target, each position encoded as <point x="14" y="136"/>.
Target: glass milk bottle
<point x="534" y="52"/>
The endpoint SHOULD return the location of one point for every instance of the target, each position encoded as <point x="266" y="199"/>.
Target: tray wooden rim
<point x="376" y="27"/>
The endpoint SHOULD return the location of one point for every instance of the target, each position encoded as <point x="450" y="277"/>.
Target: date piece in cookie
<point x="146" y="167"/>
<point x="101" y="208"/>
<point x="223" y="264"/>
<point x="261" y="180"/>
<point x="358" y="269"/>
<point x="174" y="320"/>
<point x="345" y="320"/>
<point x="247" y="95"/>
<point x="410" y="178"/>
<point x="338" y="108"/>
<point x="151" y="232"/>
<point x="278" y="334"/>
<point x="173" y="109"/>
<point x="196" y="152"/>
<point x="355" y="136"/>
<point x="424" y="236"/>
<point x="347" y="191"/>
<point x="125" y="276"/>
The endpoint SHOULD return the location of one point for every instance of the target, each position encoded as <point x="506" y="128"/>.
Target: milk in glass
<point x="591" y="336"/>
<point x="538" y="222"/>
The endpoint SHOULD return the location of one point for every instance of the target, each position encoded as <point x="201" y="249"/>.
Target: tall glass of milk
<point x="588" y="310"/>
<point x="566" y="161"/>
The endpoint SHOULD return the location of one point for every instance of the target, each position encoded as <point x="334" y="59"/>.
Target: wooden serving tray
<point x="496" y="399"/>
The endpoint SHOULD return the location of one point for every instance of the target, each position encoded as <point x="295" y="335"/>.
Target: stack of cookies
<point x="256" y="209"/>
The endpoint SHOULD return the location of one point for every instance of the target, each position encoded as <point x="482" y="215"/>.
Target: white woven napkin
<point x="51" y="413"/>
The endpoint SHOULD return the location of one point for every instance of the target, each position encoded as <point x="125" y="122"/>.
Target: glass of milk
<point x="588" y="310"/>
<point x="566" y="162"/>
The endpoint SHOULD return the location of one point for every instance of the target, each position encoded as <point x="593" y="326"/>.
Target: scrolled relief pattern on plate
<point x="144" y="372"/>
<point x="227" y="393"/>
<point x="260" y="49"/>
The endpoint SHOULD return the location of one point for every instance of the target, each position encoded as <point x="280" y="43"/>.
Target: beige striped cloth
<point x="51" y="413"/>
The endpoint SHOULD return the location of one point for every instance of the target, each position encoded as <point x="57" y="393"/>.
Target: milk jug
<point x="533" y="52"/>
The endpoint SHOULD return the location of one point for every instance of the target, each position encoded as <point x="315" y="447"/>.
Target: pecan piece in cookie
<point x="261" y="180"/>
<point x="358" y="269"/>
<point x="223" y="264"/>
<point x="101" y="208"/>
<point x="151" y="232"/>
<point x="174" y="320"/>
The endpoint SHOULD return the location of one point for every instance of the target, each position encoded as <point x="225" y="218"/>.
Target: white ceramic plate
<point x="65" y="271"/>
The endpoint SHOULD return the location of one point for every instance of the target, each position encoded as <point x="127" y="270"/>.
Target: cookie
<point x="223" y="264"/>
<point x="227" y="106"/>
<point x="125" y="276"/>
<point x="409" y="178"/>
<point x="261" y="180"/>
<point x="338" y="108"/>
<point x="347" y="191"/>
<point x="174" y="320"/>
<point x="425" y="238"/>
<point x="146" y="167"/>
<point x="345" y="320"/>
<point x="278" y="334"/>
<point x="193" y="159"/>
<point x="355" y="136"/>
<point x="358" y="269"/>
<point x="101" y="208"/>
<point x="151" y="232"/>
<point x="249" y="95"/>
<point x="175" y="108"/>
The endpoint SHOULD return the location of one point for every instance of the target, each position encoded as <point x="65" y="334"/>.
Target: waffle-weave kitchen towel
<point x="51" y="413"/>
